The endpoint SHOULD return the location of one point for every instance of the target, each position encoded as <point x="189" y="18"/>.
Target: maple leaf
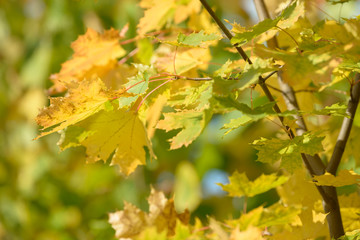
<point x="284" y="20"/>
<point x="336" y="109"/>
<point x="91" y="49"/>
<point x="193" y="39"/>
<point x="241" y="186"/>
<point x="350" y="211"/>
<point x="191" y="123"/>
<point x="129" y="222"/>
<point x="156" y="15"/>
<point x="84" y="99"/>
<point x="186" y="59"/>
<point x="162" y="215"/>
<point x="186" y="8"/>
<point x="277" y="214"/>
<point x="249" y="76"/>
<point x="196" y="97"/>
<point x="343" y="178"/>
<point x="126" y="138"/>
<point x="250" y="114"/>
<point x="300" y="69"/>
<point x="288" y="151"/>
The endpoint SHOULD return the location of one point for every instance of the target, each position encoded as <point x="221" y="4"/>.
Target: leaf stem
<point x="147" y="95"/>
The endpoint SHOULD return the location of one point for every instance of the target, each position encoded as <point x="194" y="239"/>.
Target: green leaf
<point x="284" y="20"/>
<point x="251" y="115"/>
<point x="288" y="151"/>
<point x="196" y="98"/>
<point x="240" y="185"/>
<point x="249" y="76"/>
<point x="191" y="124"/>
<point x="196" y="39"/>
<point x="333" y="110"/>
<point x="140" y="83"/>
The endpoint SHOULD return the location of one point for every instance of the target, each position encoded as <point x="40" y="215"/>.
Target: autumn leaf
<point x="90" y="50"/>
<point x="240" y="185"/>
<point x="288" y="151"/>
<point x="191" y="124"/>
<point x="162" y="215"/>
<point x="158" y="13"/>
<point x="277" y="214"/>
<point x="343" y="178"/>
<point x="184" y="60"/>
<point x="84" y="99"/>
<point x="126" y="138"/>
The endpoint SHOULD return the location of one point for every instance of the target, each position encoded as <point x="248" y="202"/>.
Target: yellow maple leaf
<point x="156" y="15"/>
<point x="186" y="59"/>
<point x="131" y="221"/>
<point x="84" y="99"/>
<point x="344" y="177"/>
<point x="183" y="11"/>
<point x="91" y="49"/>
<point x="117" y="131"/>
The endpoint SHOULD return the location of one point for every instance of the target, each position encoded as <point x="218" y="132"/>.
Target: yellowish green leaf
<point x="240" y="185"/>
<point x="343" y="178"/>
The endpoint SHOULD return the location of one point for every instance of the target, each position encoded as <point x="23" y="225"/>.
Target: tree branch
<point x="345" y="129"/>
<point x="261" y="81"/>
<point x="312" y="163"/>
<point x="224" y="29"/>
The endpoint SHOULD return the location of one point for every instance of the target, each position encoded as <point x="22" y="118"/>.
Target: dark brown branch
<point x="345" y="129"/>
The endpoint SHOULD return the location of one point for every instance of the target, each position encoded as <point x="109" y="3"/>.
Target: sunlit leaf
<point x="343" y="178"/>
<point x="85" y="98"/>
<point x="288" y="151"/>
<point x="91" y="49"/>
<point x="116" y="132"/>
<point x="240" y="185"/>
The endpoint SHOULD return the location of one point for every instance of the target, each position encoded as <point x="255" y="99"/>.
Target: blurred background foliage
<point x="45" y="194"/>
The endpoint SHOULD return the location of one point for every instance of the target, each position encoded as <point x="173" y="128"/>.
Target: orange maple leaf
<point x="90" y="50"/>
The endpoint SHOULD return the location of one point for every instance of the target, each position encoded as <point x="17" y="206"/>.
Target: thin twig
<point x="224" y="29"/>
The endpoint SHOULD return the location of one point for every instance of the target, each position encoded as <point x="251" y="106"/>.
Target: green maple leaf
<point x="288" y="151"/>
<point x="193" y="39"/>
<point x="333" y="110"/>
<point x="284" y="20"/>
<point x="240" y="185"/>
<point x="249" y="76"/>
<point x="118" y="131"/>
<point x="196" y="39"/>
<point x="251" y="115"/>
<point x="196" y="98"/>
<point x="191" y="124"/>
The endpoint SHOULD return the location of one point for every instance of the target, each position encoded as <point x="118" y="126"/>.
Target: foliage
<point x="169" y="81"/>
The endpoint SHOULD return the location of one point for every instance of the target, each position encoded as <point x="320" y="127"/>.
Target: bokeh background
<point x="47" y="194"/>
